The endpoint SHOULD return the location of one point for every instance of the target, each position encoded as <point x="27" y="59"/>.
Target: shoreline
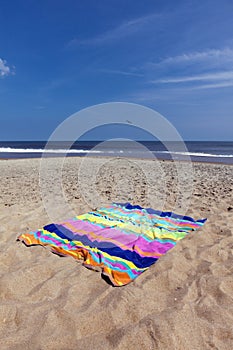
<point x="118" y="157"/>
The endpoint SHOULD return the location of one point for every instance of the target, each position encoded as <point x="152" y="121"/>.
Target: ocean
<point x="199" y="151"/>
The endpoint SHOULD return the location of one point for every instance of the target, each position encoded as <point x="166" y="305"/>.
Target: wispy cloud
<point x="39" y="107"/>
<point x="203" y="77"/>
<point x="4" y="68"/>
<point x="207" y="69"/>
<point x="220" y="55"/>
<point x="121" y="72"/>
<point x="213" y="86"/>
<point x="124" y="29"/>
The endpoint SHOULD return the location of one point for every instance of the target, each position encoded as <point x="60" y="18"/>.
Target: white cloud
<point x="225" y="55"/>
<point x="211" y="68"/>
<point x="213" y="86"/>
<point x="203" y="77"/>
<point x="4" y="68"/>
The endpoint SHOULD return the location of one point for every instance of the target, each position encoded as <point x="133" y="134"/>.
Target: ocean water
<point x="200" y="151"/>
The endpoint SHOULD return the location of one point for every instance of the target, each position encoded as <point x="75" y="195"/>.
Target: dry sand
<point x="184" y="301"/>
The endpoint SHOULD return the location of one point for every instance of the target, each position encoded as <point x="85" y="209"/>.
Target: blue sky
<point x="57" y="57"/>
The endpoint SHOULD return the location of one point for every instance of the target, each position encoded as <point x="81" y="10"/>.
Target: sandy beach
<point x="184" y="301"/>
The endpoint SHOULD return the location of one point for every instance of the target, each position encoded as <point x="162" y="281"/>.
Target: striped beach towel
<point x="120" y="240"/>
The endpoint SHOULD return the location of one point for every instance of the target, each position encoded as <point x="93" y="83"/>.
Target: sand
<point x="184" y="301"/>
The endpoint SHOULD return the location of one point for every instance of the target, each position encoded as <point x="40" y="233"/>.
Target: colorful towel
<point x="120" y="240"/>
